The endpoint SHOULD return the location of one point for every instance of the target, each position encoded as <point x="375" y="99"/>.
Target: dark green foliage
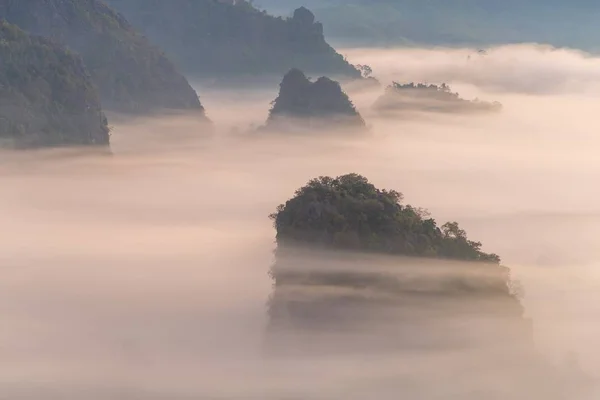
<point x="312" y="105"/>
<point x="350" y="212"/>
<point x="46" y="96"/>
<point x="420" y="97"/>
<point x="210" y="38"/>
<point x="130" y="74"/>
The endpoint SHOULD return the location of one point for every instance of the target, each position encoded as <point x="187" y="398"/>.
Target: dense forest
<point x="422" y="97"/>
<point x="349" y="212"/>
<point x="46" y="95"/>
<point x="131" y="74"/>
<point x="452" y="22"/>
<point x="212" y="39"/>
<point x="305" y="105"/>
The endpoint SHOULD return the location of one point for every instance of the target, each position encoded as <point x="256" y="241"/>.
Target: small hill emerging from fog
<point x="219" y="39"/>
<point x="349" y="212"/>
<point x="430" y="98"/>
<point x="306" y="106"/>
<point x="358" y="272"/>
<point x="46" y="96"/>
<point x="131" y="75"/>
<point x="342" y="261"/>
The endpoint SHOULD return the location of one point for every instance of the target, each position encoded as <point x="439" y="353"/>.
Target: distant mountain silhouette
<point x="211" y="39"/>
<point x="305" y="105"/>
<point x="46" y="96"/>
<point x="453" y="22"/>
<point x="432" y="98"/>
<point x="131" y="74"/>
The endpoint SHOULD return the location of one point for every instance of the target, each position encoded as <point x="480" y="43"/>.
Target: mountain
<point x="453" y="22"/>
<point x="399" y="98"/>
<point x="349" y="212"/>
<point x="305" y="105"/>
<point x="46" y="95"/>
<point x="219" y="39"/>
<point x="358" y="272"/>
<point x="131" y="74"/>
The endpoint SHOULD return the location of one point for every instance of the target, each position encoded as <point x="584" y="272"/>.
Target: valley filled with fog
<point x="144" y="273"/>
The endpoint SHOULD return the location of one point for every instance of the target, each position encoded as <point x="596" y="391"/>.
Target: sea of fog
<point x="143" y="275"/>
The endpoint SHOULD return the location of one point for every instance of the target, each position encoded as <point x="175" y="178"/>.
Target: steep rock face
<point x="46" y="95"/>
<point x="431" y="98"/>
<point x="305" y="105"/>
<point x="131" y="74"/>
<point x="209" y="38"/>
<point x="358" y="272"/>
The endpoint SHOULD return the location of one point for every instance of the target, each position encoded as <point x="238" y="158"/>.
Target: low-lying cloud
<point x="144" y="274"/>
<point x="526" y="68"/>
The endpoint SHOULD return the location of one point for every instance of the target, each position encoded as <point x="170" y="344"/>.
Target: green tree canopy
<point x="350" y="212"/>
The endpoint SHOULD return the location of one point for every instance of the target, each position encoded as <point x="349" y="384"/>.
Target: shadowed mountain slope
<point x="46" y="95"/>
<point x="132" y="75"/>
<point x="215" y="39"/>
<point x="305" y="105"/>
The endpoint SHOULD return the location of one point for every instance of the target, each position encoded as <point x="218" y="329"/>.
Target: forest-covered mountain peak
<point x="350" y="212"/>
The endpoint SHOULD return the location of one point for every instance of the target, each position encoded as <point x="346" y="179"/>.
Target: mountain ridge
<point x="132" y="75"/>
<point x="358" y="23"/>
<point x="209" y="39"/>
